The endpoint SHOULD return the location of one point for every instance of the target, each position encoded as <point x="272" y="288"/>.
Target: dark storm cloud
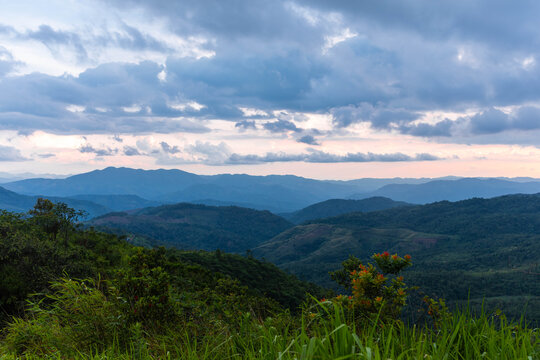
<point x="246" y="124"/>
<point x="52" y="38"/>
<point x="56" y="40"/>
<point x="316" y="156"/>
<point x="379" y="117"/>
<point x="497" y="22"/>
<point x="308" y="139"/>
<point x="256" y="82"/>
<point x="131" y="151"/>
<point x="406" y="58"/>
<point x="442" y="128"/>
<point x="169" y="149"/>
<point x="527" y="118"/>
<point x="40" y="102"/>
<point x="89" y="149"/>
<point x="270" y="21"/>
<point x="280" y="126"/>
<point x="487" y="122"/>
<point x="9" y="153"/>
<point x="7" y="63"/>
<point x="492" y="121"/>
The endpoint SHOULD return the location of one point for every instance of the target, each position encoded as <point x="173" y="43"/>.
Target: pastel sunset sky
<point x="328" y="89"/>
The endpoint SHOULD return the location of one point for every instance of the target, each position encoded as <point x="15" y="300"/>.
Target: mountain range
<point x="14" y="202"/>
<point x="276" y="193"/>
<point x="467" y="250"/>
<point x="452" y="190"/>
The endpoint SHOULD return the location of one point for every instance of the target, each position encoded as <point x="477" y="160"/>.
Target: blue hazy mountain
<point x="109" y="181"/>
<point x="277" y="193"/>
<point x="117" y="202"/>
<point x="12" y="201"/>
<point x="452" y="190"/>
<point x="334" y="207"/>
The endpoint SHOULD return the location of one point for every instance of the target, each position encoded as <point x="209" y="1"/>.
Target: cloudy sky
<point x="320" y="88"/>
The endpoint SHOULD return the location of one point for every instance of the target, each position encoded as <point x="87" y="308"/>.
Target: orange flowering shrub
<point x="378" y="293"/>
<point x="391" y="264"/>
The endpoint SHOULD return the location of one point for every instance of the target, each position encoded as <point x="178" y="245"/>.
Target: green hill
<point x="30" y="259"/>
<point x="474" y="218"/>
<point x="336" y="207"/>
<point x="75" y="293"/>
<point x="192" y="226"/>
<point x="478" y="249"/>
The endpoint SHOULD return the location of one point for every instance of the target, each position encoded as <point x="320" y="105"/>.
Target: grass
<point x="328" y="336"/>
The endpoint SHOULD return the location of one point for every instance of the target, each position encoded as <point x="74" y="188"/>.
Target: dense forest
<point x="193" y="226"/>
<point x="481" y="251"/>
<point x="335" y="207"/>
<point x="69" y="291"/>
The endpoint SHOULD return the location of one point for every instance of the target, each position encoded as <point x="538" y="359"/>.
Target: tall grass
<point x="462" y="336"/>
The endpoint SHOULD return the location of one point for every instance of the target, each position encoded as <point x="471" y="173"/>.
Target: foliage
<point x="55" y="217"/>
<point x="374" y="295"/>
<point x="145" y="288"/>
<point x="343" y="275"/>
<point x="476" y="251"/>
<point x="261" y="277"/>
<point x="460" y="336"/>
<point x="30" y="258"/>
<point x="335" y="207"/>
<point x="200" y="227"/>
<point x="136" y="303"/>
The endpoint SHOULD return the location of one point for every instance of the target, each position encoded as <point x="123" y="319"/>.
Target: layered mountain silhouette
<point x="452" y="190"/>
<point x="276" y="193"/>
<point x="14" y="202"/>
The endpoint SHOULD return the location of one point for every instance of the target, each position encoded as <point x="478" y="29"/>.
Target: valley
<point x="476" y="250"/>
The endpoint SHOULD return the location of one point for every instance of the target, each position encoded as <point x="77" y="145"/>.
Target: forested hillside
<point x="334" y="207"/>
<point x="44" y="247"/>
<point x="72" y="292"/>
<point x="192" y="226"/>
<point x="479" y="249"/>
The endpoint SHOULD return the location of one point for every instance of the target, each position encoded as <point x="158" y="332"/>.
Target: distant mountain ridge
<point x="276" y="193"/>
<point x="452" y="190"/>
<point x="93" y="205"/>
<point x="334" y="207"/>
<point x="12" y="201"/>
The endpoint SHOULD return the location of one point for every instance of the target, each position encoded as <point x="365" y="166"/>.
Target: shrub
<point x="375" y="294"/>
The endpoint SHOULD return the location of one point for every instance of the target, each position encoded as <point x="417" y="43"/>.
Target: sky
<point x="327" y="89"/>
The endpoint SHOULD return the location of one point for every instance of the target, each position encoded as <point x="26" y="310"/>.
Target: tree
<point x="54" y="218"/>
<point x="44" y="216"/>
